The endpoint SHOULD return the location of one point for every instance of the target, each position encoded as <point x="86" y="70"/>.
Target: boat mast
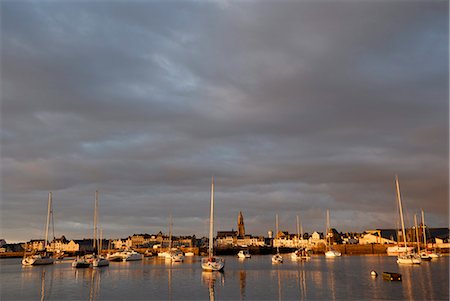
<point x="95" y="220"/>
<point x="298" y="232"/>
<point x="170" y="232"/>
<point x="278" y="243"/>
<point x="328" y="228"/>
<point x="423" y="230"/>
<point x="399" y="199"/>
<point x="49" y="206"/>
<point x="417" y="233"/>
<point x="211" y="221"/>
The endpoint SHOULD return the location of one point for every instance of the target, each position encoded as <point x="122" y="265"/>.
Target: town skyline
<point x="294" y="107"/>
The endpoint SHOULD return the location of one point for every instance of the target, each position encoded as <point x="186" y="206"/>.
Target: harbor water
<point x="344" y="278"/>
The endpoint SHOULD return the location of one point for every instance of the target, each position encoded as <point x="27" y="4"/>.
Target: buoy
<point x="374" y="274"/>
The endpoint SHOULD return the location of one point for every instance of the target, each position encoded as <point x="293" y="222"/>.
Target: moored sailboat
<point x="330" y="252"/>
<point x="277" y="258"/>
<point x="404" y="258"/>
<point x="212" y="263"/>
<point x="41" y="258"/>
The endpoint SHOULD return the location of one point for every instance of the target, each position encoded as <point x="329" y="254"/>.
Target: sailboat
<point x="277" y="258"/>
<point x="427" y="253"/>
<point x="212" y="263"/>
<point x="301" y="252"/>
<point x="330" y="251"/>
<point x="42" y="258"/>
<point x="173" y="255"/>
<point x="404" y="258"/>
<point x="100" y="260"/>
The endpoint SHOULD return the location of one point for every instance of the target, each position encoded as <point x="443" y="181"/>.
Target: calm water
<point x="342" y="278"/>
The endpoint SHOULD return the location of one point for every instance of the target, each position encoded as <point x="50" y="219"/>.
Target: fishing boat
<point x="212" y="263"/>
<point x="330" y="252"/>
<point x="277" y="258"/>
<point x="244" y="254"/>
<point x="41" y="258"/>
<point x="404" y="258"/>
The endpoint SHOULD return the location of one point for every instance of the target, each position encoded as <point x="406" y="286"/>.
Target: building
<point x="63" y="245"/>
<point x="379" y="236"/>
<point x="238" y="238"/>
<point x="35" y="245"/>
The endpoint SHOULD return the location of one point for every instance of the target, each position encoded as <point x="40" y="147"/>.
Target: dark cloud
<point x="295" y="107"/>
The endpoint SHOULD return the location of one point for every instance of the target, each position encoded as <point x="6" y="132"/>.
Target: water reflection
<point x="242" y="283"/>
<point x="301" y="280"/>
<point x="209" y="279"/>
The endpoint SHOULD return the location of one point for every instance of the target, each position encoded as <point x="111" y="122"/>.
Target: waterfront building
<point x="316" y="239"/>
<point x="379" y="236"/>
<point x="241" y="227"/>
<point x="63" y="245"/>
<point x="35" y="245"/>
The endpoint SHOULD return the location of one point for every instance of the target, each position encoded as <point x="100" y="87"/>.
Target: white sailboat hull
<point x="409" y="259"/>
<point x="37" y="260"/>
<point x="213" y="263"/>
<point x="333" y="253"/>
<point x="100" y="262"/>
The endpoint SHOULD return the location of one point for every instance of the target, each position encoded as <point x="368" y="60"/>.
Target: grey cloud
<point x="294" y="107"/>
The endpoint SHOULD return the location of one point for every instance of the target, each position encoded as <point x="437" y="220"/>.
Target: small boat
<point x="301" y="254"/>
<point x="189" y="254"/>
<point x="81" y="262"/>
<point x="244" y="254"/>
<point x="392" y="276"/>
<point x="41" y="258"/>
<point x="277" y="258"/>
<point x="212" y="263"/>
<point x="332" y="253"/>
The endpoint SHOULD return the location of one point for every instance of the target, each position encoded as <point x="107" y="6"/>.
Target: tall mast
<point x="95" y="219"/>
<point x="423" y="230"/>
<point x="328" y="227"/>
<point x="278" y="240"/>
<point x="399" y="198"/>
<point x="298" y="232"/>
<point x="417" y="233"/>
<point x="211" y="220"/>
<point x="170" y="232"/>
<point x="49" y="206"/>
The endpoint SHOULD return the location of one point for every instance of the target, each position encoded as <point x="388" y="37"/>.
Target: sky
<point x="294" y="107"/>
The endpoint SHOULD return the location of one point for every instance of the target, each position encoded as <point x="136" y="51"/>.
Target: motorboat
<point x="213" y="263"/>
<point x="131" y="256"/>
<point x="409" y="259"/>
<point x="277" y="258"/>
<point x="244" y="254"/>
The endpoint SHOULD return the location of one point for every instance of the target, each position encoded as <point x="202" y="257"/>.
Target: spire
<point x="241" y="227"/>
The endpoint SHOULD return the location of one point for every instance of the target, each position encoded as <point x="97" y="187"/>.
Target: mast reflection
<point x="242" y="283"/>
<point x="209" y="279"/>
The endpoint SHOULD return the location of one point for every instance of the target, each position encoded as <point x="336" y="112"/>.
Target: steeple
<point x="241" y="228"/>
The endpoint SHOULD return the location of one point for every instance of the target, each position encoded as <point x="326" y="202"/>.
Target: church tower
<point x="241" y="228"/>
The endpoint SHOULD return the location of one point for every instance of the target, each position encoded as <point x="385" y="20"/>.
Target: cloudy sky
<point x="294" y="107"/>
